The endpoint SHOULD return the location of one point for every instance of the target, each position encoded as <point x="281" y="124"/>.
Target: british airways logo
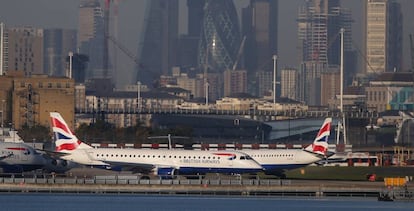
<point x="323" y="133"/>
<point x="65" y="139"/>
<point x="320" y="144"/>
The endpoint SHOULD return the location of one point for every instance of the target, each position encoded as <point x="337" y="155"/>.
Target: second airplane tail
<point x="65" y="139"/>
<point x="320" y="144"/>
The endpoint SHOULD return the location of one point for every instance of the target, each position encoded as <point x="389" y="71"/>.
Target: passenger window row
<point x="159" y="156"/>
<point x="274" y="155"/>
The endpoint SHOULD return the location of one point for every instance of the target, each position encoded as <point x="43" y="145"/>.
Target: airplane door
<point x="90" y="155"/>
<point x="232" y="158"/>
<point x="25" y="155"/>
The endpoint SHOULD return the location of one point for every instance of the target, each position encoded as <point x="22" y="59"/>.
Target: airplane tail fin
<point x="65" y="139"/>
<point x="320" y="144"/>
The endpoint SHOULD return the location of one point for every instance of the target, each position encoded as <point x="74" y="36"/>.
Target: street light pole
<point x="70" y="63"/>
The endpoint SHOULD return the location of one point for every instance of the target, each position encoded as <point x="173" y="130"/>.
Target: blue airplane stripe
<point x="61" y="136"/>
<point x="323" y="139"/>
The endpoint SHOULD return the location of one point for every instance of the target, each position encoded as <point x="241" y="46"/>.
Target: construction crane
<point x="412" y="59"/>
<point x="124" y="50"/>
<point x="412" y="52"/>
<point x="239" y="53"/>
<point x="106" y="32"/>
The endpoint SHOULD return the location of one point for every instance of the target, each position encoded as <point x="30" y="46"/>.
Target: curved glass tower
<point x="220" y="36"/>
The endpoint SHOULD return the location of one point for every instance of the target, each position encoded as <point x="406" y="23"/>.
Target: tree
<point x="37" y="133"/>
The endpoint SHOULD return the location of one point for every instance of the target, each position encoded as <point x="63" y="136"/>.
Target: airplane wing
<point x="5" y="156"/>
<point x="134" y="167"/>
<point x="52" y="154"/>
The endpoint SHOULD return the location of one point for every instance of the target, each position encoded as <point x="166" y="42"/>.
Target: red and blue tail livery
<point x="320" y="144"/>
<point x="65" y="139"/>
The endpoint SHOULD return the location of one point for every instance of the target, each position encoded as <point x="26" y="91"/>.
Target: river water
<point x="102" y="202"/>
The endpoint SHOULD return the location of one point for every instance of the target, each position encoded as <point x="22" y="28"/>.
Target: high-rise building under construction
<point x="319" y="26"/>
<point x="259" y="29"/>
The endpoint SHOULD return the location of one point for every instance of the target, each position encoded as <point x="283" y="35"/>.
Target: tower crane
<point x="124" y="50"/>
<point x="412" y="58"/>
<point x="239" y="53"/>
<point x="412" y="52"/>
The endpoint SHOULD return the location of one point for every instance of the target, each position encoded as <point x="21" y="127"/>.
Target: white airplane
<point x="165" y="162"/>
<point x="276" y="161"/>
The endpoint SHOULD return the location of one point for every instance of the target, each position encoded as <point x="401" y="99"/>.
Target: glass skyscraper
<point x="220" y="36"/>
<point x="383" y="36"/>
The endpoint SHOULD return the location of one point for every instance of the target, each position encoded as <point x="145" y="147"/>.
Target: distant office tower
<point x="235" y="82"/>
<point x="188" y="44"/>
<point x="264" y="83"/>
<point x="310" y="82"/>
<point x="383" y="36"/>
<point x="289" y="83"/>
<point x="259" y="27"/>
<point x="57" y="45"/>
<point x="24" y="50"/>
<point x="319" y="25"/>
<point x="330" y="86"/>
<point x="91" y="37"/>
<point x="79" y="65"/>
<point x="195" y="16"/>
<point x="158" y="52"/>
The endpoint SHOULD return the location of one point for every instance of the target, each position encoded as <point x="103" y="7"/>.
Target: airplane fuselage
<point x="19" y="157"/>
<point x="183" y="161"/>
<point x="282" y="159"/>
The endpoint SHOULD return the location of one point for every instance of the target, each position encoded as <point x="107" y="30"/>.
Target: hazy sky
<point x="64" y="14"/>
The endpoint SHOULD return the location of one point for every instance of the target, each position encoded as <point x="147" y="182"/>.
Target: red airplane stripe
<point x="224" y="154"/>
<point x="17" y="148"/>
<point x="317" y="148"/>
<point x="68" y="146"/>
<point x="60" y="125"/>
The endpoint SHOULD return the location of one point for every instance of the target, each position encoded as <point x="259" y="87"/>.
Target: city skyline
<point x="64" y="14"/>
